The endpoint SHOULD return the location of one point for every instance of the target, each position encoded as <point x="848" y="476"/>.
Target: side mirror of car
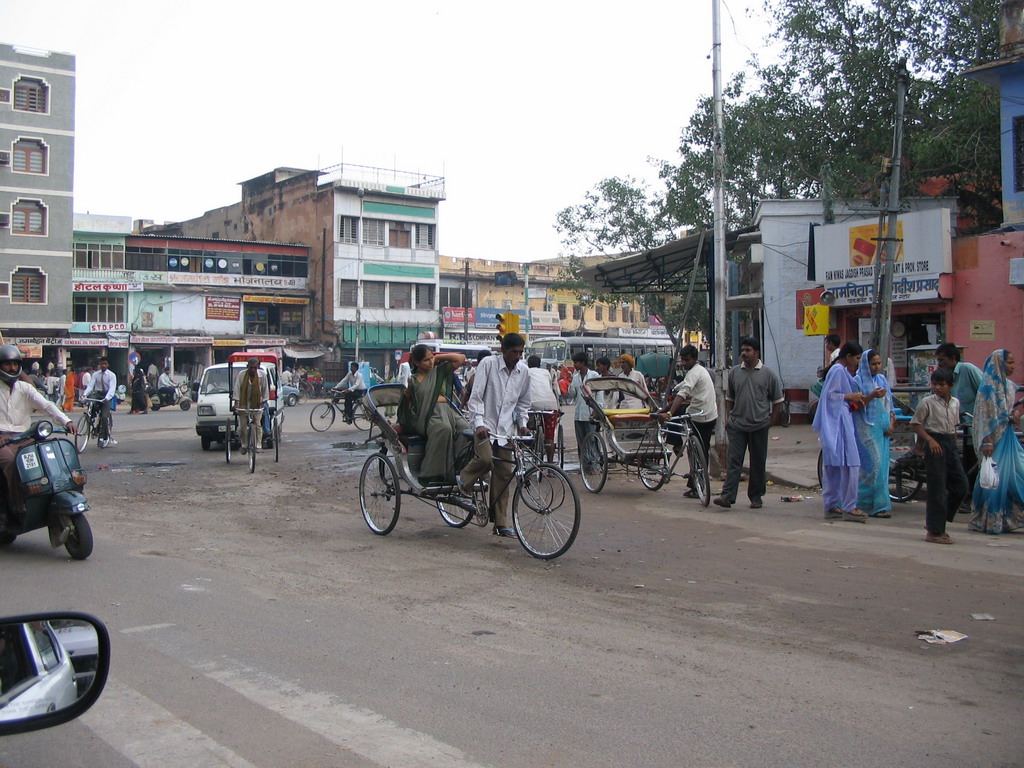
<point x="53" y="667"/>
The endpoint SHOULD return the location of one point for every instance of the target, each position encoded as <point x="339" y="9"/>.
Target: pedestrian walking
<point x="873" y="426"/>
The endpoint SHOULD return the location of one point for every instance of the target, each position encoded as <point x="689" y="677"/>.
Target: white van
<point x="213" y="408"/>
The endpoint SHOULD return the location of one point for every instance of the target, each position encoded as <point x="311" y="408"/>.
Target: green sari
<point x="419" y="413"/>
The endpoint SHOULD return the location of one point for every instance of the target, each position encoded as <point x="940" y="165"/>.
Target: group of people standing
<point x="855" y="419"/>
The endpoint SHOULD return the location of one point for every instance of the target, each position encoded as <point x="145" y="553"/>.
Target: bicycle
<point x="536" y="425"/>
<point x="322" y="417"/>
<point x="254" y="417"/>
<point x="90" y="425"/>
<point x="692" y="447"/>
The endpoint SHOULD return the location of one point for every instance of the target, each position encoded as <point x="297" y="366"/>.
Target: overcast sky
<point x="522" y="107"/>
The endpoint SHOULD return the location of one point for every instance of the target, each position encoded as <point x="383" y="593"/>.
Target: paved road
<point x="257" y="622"/>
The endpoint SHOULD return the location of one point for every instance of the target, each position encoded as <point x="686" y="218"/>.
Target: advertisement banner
<point x="458" y="314"/>
<point x="806" y="298"/>
<point x="816" y="320"/>
<point x="223" y="308"/>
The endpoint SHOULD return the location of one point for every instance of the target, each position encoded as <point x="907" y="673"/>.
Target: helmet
<point x="10" y="352"/>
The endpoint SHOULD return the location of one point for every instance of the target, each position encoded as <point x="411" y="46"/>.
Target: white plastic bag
<point x="989" y="475"/>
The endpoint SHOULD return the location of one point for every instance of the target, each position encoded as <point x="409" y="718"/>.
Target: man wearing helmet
<point x="18" y="399"/>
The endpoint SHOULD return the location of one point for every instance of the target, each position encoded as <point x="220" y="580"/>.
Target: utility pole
<point x="889" y="243"/>
<point x="526" y="296"/>
<point x="721" y="272"/>
<point x="465" y="305"/>
<point x="359" y="273"/>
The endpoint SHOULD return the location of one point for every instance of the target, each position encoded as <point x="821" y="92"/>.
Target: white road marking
<point x="146" y="628"/>
<point x="365" y="732"/>
<point x="151" y="736"/>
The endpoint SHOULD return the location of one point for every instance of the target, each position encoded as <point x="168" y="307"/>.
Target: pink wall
<point x="981" y="271"/>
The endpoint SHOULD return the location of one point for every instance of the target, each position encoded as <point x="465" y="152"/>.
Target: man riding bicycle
<point x="252" y="392"/>
<point x="102" y="388"/>
<point x="352" y="387"/>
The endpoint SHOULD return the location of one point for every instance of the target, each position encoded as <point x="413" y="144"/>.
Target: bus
<point x="556" y="350"/>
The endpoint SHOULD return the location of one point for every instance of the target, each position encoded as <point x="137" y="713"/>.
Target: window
<point x="29" y="156"/>
<point x="348" y="229"/>
<point x="401" y="296"/>
<point x="98" y="309"/>
<point x="291" y="322"/>
<point x="612" y="311"/>
<point x="347" y="293"/>
<point x="452" y="297"/>
<point x="561" y="311"/>
<point x="598" y="312"/>
<point x="577" y="312"/>
<point x="425" y="296"/>
<point x="98" y="256"/>
<point x="29" y="218"/>
<point x="30" y="95"/>
<point x="373" y="294"/>
<point x="626" y="315"/>
<point x="28" y="286"/>
<point x="399" y="234"/>
<point x="425" y="236"/>
<point x="373" y="232"/>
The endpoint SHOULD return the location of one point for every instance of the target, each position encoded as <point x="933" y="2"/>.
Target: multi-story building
<point x="37" y="140"/>
<point x="182" y="302"/>
<point x="373" y="240"/>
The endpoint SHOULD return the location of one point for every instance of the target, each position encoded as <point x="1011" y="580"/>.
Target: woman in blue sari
<point x="873" y="425"/>
<point x="999" y="509"/>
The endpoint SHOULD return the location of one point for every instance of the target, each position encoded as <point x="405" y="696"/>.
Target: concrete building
<point x="37" y="141"/>
<point x="373" y="240"/>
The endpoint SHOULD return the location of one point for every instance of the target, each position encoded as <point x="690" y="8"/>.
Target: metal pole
<point x="359" y="273"/>
<point x="526" y="295"/>
<point x="884" y="297"/>
<point x="465" y="305"/>
<point x="721" y="274"/>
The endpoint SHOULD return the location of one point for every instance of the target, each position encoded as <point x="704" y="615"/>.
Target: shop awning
<point x="303" y="354"/>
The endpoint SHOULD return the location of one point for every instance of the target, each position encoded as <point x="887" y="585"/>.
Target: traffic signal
<point x="508" y="322"/>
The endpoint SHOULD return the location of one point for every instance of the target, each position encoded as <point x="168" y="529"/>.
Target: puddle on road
<point x="348" y="445"/>
<point x="162" y="466"/>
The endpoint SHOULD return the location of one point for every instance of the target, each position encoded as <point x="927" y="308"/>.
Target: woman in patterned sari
<point x="426" y="410"/>
<point x="873" y="425"/>
<point x="999" y="509"/>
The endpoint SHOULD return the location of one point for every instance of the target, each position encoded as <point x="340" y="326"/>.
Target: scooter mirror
<point x="53" y="667"/>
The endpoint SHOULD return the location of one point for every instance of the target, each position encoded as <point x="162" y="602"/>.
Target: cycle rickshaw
<point x="633" y="440"/>
<point x="545" y="507"/>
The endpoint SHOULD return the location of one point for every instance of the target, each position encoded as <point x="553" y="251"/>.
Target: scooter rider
<point x="103" y="388"/>
<point x="18" y="400"/>
<point x="165" y="388"/>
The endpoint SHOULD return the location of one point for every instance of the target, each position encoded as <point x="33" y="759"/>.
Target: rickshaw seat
<point x="625" y="418"/>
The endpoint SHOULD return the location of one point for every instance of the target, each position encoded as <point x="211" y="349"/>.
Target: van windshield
<point x="215" y="382"/>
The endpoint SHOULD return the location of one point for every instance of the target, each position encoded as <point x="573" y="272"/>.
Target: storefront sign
<point x="30" y="350"/>
<point x="229" y="342"/>
<point x="105" y="327"/>
<point x="845" y="257"/>
<point x="167" y="340"/>
<point x="241" y="281"/>
<point x="223" y="308"/>
<point x="265" y="341"/>
<point x="83" y="287"/>
<point x="983" y="330"/>
<point x="459" y="314"/>
<point x="806" y="298"/>
<point x="263" y="299"/>
<point x="640" y="332"/>
<point x="816" y="320"/>
<point x="544" y="321"/>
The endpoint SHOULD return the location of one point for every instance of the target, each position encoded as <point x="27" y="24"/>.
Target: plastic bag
<point x="989" y="475"/>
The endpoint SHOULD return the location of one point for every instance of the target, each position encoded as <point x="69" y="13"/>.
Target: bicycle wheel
<point x="302" y="395"/>
<point x="699" y="469"/>
<point x="546" y="511"/>
<point x="560" y="446"/>
<point x="593" y="462"/>
<point x="360" y="419"/>
<point x="227" y="440"/>
<point x="278" y="431"/>
<point x="322" y="416"/>
<point x="903" y="483"/>
<point x="821" y="470"/>
<point x="379" y="497"/>
<point x="84" y="428"/>
<point x="784" y="414"/>
<point x="254" y="441"/>
<point x="454" y="515"/>
<point x="655" y="473"/>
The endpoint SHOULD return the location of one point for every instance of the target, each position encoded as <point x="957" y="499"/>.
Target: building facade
<point x="37" y="140"/>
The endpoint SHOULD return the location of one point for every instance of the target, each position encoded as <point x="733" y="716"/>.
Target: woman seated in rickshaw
<point x="426" y="410"/>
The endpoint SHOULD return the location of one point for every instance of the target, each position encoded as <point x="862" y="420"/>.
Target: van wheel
<point x="206" y="442"/>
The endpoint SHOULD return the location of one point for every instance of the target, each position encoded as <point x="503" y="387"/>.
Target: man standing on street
<point x="753" y="394"/>
<point x="498" y="403"/>
<point x="966" y="381"/>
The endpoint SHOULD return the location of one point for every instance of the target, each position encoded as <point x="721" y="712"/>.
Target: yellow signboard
<point x="816" y="320"/>
<point x="261" y="299"/>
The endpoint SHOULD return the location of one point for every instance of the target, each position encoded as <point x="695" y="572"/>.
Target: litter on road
<point x="940" y="636"/>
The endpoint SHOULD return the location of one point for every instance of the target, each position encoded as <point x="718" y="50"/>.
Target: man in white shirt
<point x="353" y="386"/>
<point x="697" y="392"/>
<point x="165" y="388"/>
<point x="544" y="397"/>
<point x="287" y="376"/>
<point x="498" y="403"/>
<point x="18" y="400"/>
<point x="103" y="388"/>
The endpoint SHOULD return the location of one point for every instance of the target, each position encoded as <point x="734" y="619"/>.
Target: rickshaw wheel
<point x="454" y="515"/>
<point x="652" y="475"/>
<point x="379" y="496"/>
<point x="546" y="512"/>
<point x="593" y="462"/>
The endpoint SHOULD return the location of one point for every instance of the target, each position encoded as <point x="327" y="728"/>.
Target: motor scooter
<point x="52" y="479"/>
<point x="180" y="397"/>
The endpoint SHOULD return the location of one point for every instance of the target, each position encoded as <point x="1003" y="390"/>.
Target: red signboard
<point x="458" y="314"/>
<point x="223" y="307"/>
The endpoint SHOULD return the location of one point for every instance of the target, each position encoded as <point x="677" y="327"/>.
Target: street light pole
<point x="359" y="272"/>
<point x="721" y="272"/>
